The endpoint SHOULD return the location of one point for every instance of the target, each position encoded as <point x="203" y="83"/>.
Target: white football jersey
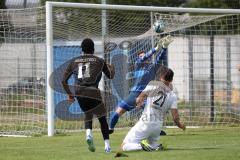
<point x="160" y="99"/>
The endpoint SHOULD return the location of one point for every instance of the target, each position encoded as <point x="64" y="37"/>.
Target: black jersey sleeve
<point x="109" y="70"/>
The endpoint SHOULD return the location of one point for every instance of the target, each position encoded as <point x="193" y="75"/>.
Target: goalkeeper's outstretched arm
<point x="164" y="43"/>
<point x="147" y="55"/>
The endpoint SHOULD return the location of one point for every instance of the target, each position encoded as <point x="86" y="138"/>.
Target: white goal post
<point x="50" y="5"/>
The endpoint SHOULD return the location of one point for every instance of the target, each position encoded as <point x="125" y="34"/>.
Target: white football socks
<point x="107" y="143"/>
<point x="88" y="133"/>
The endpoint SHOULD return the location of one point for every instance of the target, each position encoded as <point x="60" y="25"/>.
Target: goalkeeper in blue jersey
<point x="145" y="71"/>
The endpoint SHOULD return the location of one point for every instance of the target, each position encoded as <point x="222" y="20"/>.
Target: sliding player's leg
<point x="131" y="146"/>
<point x="153" y="139"/>
<point x="155" y="145"/>
<point x="127" y="104"/>
<point x="132" y="141"/>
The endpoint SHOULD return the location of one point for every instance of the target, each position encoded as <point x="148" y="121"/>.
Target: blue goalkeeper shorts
<point x="129" y="102"/>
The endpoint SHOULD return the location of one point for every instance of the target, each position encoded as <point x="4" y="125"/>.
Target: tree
<point x="206" y="4"/>
<point x="235" y="4"/>
<point x="2" y="23"/>
<point x="79" y="1"/>
<point x="2" y="4"/>
<point x="224" y="25"/>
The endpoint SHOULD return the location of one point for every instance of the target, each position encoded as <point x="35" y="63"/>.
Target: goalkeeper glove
<point x="166" y="41"/>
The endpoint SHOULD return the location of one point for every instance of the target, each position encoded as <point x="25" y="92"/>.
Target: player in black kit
<point x="87" y="71"/>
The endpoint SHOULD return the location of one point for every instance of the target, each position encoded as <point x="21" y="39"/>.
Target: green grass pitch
<point x="193" y="144"/>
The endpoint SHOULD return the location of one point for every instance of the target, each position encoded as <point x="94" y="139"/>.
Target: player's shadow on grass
<point x="188" y="134"/>
<point x="195" y="148"/>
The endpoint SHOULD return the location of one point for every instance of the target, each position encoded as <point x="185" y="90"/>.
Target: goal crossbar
<point x="143" y="8"/>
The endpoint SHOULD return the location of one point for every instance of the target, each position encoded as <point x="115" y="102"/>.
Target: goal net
<point x="204" y="57"/>
<point x="22" y="71"/>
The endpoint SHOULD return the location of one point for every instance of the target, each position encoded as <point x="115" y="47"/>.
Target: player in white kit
<point x="160" y="99"/>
